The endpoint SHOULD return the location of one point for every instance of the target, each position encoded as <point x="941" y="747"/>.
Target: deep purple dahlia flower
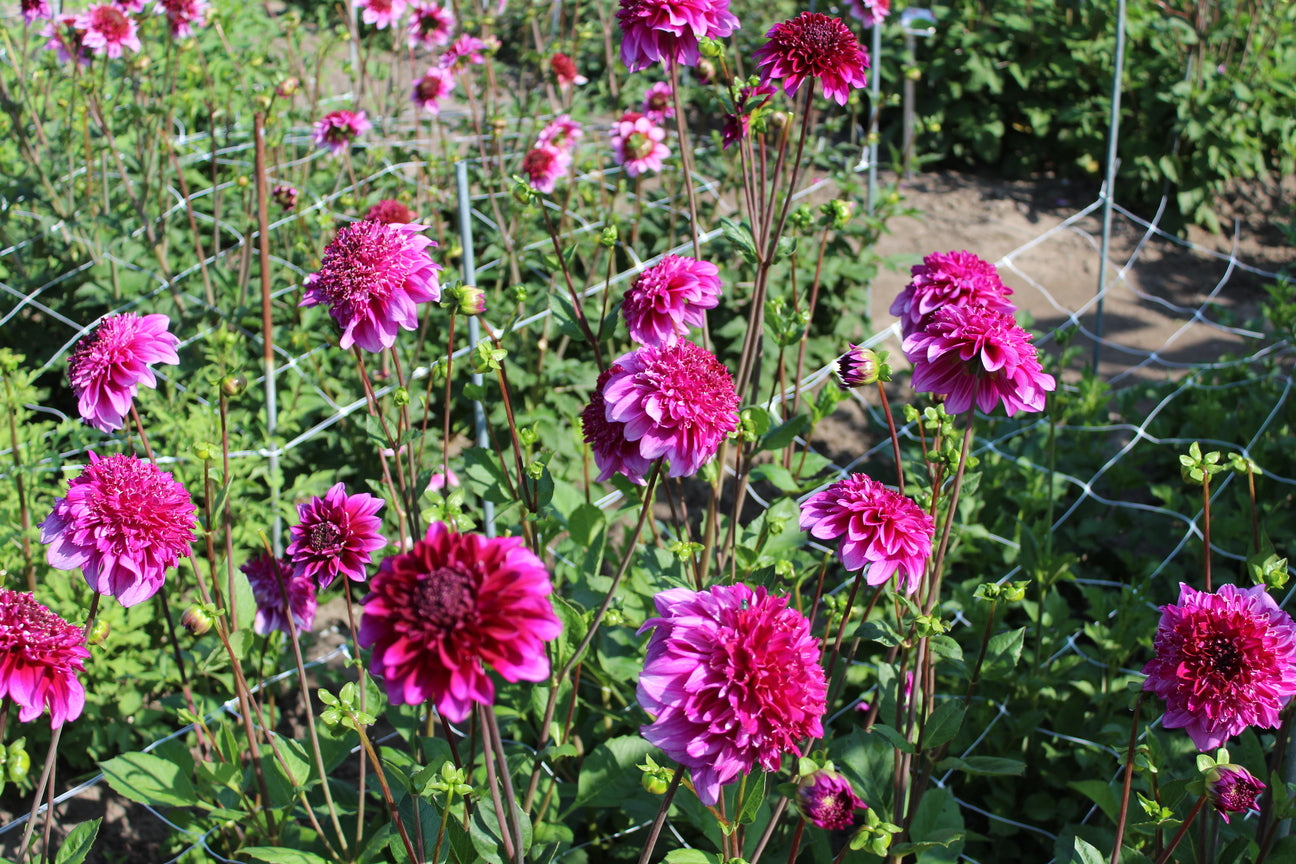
<point x="813" y="45"/>
<point x="336" y="536"/>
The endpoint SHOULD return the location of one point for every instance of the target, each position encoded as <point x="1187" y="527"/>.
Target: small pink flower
<point x="123" y="522"/>
<point x="968" y="351"/>
<point x="33" y="9"/>
<point x="732" y="680"/>
<point x="676" y="401"/>
<point x="465" y="49"/>
<point x="390" y="212"/>
<point x="827" y="799"/>
<point x="813" y="45"/>
<point x="736" y="125"/>
<point x="108" y="30"/>
<point x="561" y="132"/>
<point x="637" y="144"/>
<point x="108" y="366"/>
<point x="1232" y="789"/>
<point x="544" y="165"/>
<point x="668" y="298"/>
<point x="949" y="279"/>
<point x="613" y="452"/>
<point x="272" y="579"/>
<point x="879" y="528"/>
<point x="565" y="73"/>
<point x="65" y="37"/>
<point x="182" y="15"/>
<point x="40" y="658"/>
<point x="435" y="85"/>
<point x="870" y="12"/>
<point x="439" y="616"/>
<point x="659" y="31"/>
<point x="372" y="277"/>
<point x="658" y="104"/>
<point x="439" y="481"/>
<point x="336" y="536"/>
<point x="285" y="196"/>
<point x="381" y="13"/>
<point x="1224" y="662"/>
<point x="129" y="6"/>
<point x="337" y="129"/>
<point x="430" y="26"/>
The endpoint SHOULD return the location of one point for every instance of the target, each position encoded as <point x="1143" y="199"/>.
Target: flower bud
<point x="709" y="48"/>
<point x="705" y="71"/>
<point x="233" y="385"/>
<point x="779" y="119"/>
<point x="287" y="88"/>
<point x="98" y="633"/>
<point x="827" y="799"/>
<point x="196" y="620"/>
<point x="1232" y="789"/>
<point x="472" y="300"/>
<point x="17" y="762"/>
<point x="858" y="367"/>
<point x="608" y="237"/>
<point x="401" y="397"/>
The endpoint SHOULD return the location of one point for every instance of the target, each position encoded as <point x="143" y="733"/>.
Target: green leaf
<point x="784" y="433"/>
<point x="985" y="765"/>
<point x="1084" y="852"/>
<point x="1005" y="648"/>
<point x="897" y="740"/>
<point x="1099" y="792"/>
<point x="943" y="724"/>
<point x="777" y="476"/>
<point x="741" y="236"/>
<point x="149" y="779"/>
<point x="77" y="845"/>
<point x="881" y="631"/>
<point x="281" y="855"/>
<point x="753" y="798"/>
<point x="691" y="856"/>
<point x="609" y="776"/>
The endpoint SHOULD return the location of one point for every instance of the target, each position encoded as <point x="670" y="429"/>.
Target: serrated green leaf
<point x="943" y="724"/>
<point x="78" y="843"/>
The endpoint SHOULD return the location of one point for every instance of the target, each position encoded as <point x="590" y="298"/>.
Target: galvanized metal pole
<point x="1107" y="195"/>
<point x="469" y="270"/>
<point x="875" y="108"/>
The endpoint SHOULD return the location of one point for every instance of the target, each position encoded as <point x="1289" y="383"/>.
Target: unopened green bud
<point x="608" y="237"/>
<point x="197" y="620"/>
<point x="472" y="301"/>
<point x="205" y="450"/>
<point x="710" y="48"/>
<point x="17" y="762"/>
<point x="98" y="633"/>
<point x="401" y="397"/>
<point x="779" y="119"/>
<point x="233" y="385"/>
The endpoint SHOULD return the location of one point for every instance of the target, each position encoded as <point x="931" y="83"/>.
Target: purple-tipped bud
<point x="1232" y="789"/>
<point x="827" y="799"/>
<point x="857" y="367"/>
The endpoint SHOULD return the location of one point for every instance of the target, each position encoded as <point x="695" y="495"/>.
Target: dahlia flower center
<point x="380" y="6"/>
<point x="1238" y="796"/>
<point x="832" y="808"/>
<point x="428" y="89"/>
<point x="658" y="102"/>
<point x="111" y="23"/>
<point x="537" y="162"/>
<point x="324" y="538"/>
<point x="638" y="145"/>
<point x="1223" y="656"/>
<point x="446" y="598"/>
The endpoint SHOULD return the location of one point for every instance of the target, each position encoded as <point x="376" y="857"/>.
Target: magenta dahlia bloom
<point x="949" y="279"/>
<point x="668" y="298"/>
<point x="870" y="12"/>
<point x="430" y="26"/>
<point x="637" y="144"/>
<point x="1232" y="789"/>
<point x="380" y="13"/>
<point x="613" y="452"/>
<point x="336" y="130"/>
<point x="390" y="212"/>
<point x="65" y="37"/>
<point x="108" y="30"/>
<point x="562" y="133"/>
<point x="285" y="196"/>
<point x="659" y="31"/>
<point x="372" y="276"/>
<point x="813" y="45"/>
<point x="732" y="680"/>
<point x="270" y="578"/>
<point x="182" y="15"/>
<point x="676" y="401"/>
<point x="827" y="799"/>
<point x="658" y="103"/>
<point x="40" y="657"/>
<point x="33" y="9"/>
<point x="544" y="165"/>
<point x="973" y="350"/>
<point x="108" y="365"/>
<point x="565" y="72"/>
<point x="123" y="522"/>
<point x="878" y="527"/>
<point x="1224" y="661"/>
<point x="336" y="536"/>
<point x="442" y="613"/>
<point x="435" y="85"/>
<point x="466" y="49"/>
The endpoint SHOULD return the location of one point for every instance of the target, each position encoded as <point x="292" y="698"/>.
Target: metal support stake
<point x="1107" y="194"/>
<point x="469" y="270"/>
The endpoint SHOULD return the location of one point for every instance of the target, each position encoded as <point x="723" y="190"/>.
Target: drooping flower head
<point x="182" y="15"/>
<point x="372" y="276"/>
<point x="565" y="72"/>
<point x="108" y="30"/>
<point x="285" y="196"/>
<point x="390" y="212"/>
<point x="336" y="130"/>
<point x="380" y="13"/>
<point x="561" y="132"/>
<point x="65" y="37"/>
<point x="878" y="527"/>
<point x="1224" y="661"/>
<point x="613" y="452"/>
<point x="676" y="401"/>
<point x="658" y="104"/>
<point x="544" y="165"/>
<point x="827" y="799"/>
<point x="270" y="579"/>
<point x="813" y="45"/>
<point x="967" y="350"/>
<point x="430" y="26"/>
<point x="732" y="680"/>
<point x="668" y="298"/>
<point x="435" y="85"/>
<point x="870" y="12"/>
<point x="439" y="616"/>
<point x="949" y="279"/>
<point x="40" y="657"/>
<point x="637" y="144"/>
<point x="1232" y="789"/>
<point x="108" y="365"/>
<point x="123" y="522"/>
<point x="33" y="9"/>
<point x="336" y="536"/>
<point x="858" y="367"/>
<point x="464" y="50"/>
<point x="660" y="31"/>
<point x="750" y="99"/>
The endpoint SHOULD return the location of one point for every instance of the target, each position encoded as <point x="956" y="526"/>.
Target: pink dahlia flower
<point x="123" y="522"/>
<point x="1224" y="661"/>
<point x="182" y="15"/>
<point x="390" y="212"/>
<point x="732" y="680"/>
<point x="435" y="85"/>
<point x="107" y="30"/>
<point x="878" y="527"/>
<point x="430" y="26"/>
<point x="668" y="298"/>
<point x="108" y="366"/>
<point x="658" y="31"/>
<point x="33" y="9"/>
<point x="972" y="350"/>
<point x="637" y="144"/>
<point x="676" y="401"/>
<point x="544" y="165"/>
<point x="380" y="13"/>
<point x="284" y="196"/>
<point x="40" y="656"/>
<point x="336" y="536"/>
<point x="1232" y="789"/>
<point x="813" y="45"/>
<point x="456" y="604"/>
<point x="565" y="72"/>
<point x="827" y="799"/>
<point x="561" y="132"/>
<point x="658" y="104"/>
<point x="372" y="276"/>
<point x="613" y="452"/>
<point x="65" y="37"/>
<point x="949" y="279"/>
<point x="466" y="49"/>
<point x="129" y="5"/>
<point x="870" y="12"/>
<point x="336" y="130"/>
<point x="271" y="578"/>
